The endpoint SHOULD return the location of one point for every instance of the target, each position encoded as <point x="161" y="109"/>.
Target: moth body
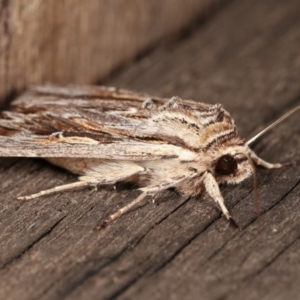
<point x="106" y="135"/>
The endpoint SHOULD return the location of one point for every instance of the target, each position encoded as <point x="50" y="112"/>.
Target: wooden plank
<point x="179" y="249"/>
<point x="83" y="41"/>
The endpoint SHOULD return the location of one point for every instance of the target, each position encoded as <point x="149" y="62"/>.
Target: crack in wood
<point x="33" y="243"/>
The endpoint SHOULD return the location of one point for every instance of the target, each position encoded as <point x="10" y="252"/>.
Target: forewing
<point x="95" y="122"/>
<point x="102" y="122"/>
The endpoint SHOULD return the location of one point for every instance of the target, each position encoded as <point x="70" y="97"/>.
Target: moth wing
<point x="35" y="146"/>
<point x="101" y="122"/>
<point x="101" y="98"/>
<point x="95" y="122"/>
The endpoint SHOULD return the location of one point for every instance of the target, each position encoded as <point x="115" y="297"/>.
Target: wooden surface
<point x="82" y="41"/>
<point x="246" y="57"/>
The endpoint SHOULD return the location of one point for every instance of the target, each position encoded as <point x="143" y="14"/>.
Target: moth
<point x="107" y="135"/>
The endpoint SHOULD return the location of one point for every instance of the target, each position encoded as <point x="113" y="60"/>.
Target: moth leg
<point x="263" y="163"/>
<point x="60" y="188"/>
<point x="212" y="188"/>
<point x="154" y="198"/>
<point x="150" y="190"/>
<point x="123" y="210"/>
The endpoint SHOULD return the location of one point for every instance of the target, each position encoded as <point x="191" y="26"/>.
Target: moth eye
<point x="226" y="165"/>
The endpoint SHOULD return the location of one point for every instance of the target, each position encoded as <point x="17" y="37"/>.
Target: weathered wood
<point x="247" y="58"/>
<point x="82" y="41"/>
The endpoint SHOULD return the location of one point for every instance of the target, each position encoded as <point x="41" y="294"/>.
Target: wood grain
<point x="83" y="41"/>
<point x="247" y="58"/>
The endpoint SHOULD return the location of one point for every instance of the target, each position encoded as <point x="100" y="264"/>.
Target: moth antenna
<point x="273" y="124"/>
<point x="255" y="191"/>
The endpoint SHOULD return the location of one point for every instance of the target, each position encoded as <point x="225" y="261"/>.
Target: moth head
<point x="233" y="167"/>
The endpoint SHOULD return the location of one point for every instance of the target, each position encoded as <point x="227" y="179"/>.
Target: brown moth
<point x="107" y="135"/>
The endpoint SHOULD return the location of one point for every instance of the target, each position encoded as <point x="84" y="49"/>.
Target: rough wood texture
<point x="247" y="57"/>
<point x="82" y="41"/>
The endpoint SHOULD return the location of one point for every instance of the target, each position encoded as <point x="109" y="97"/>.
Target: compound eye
<point x="226" y="165"/>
